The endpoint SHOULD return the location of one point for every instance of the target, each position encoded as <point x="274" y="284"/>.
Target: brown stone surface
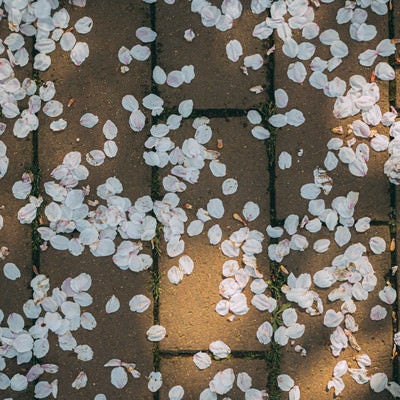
<point x="312" y="136"/>
<point x="188" y="310"/>
<point x="374" y="337"/>
<point x="120" y="335"/>
<point x="397" y="88"/>
<point x="396" y="18"/>
<point x="14" y="236"/>
<point x="182" y="371"/>
<point x="219" y="82"/>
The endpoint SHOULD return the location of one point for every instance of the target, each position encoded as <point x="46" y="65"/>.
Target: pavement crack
<point x="155" y="195"/>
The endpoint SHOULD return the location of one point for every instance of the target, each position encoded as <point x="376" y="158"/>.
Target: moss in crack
<point x="155" y="184"/>
<point x="155" y="242"/>
<point x="34" y="171"/>
<point x="155" y="286"/>
<point x="273" y="362"/>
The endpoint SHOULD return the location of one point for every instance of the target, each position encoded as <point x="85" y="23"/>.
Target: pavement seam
<point x="277" y="278"/>
<point x="240" y="354"/>
<point x="35" y="172"/>
<point x="391" y="276"/>
<point x="155" y="195"/>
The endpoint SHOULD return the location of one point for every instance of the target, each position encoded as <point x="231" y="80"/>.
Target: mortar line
<point x="240" y="354"/>
<point x="272" y="356"/>
<point x="35" y="191"/>
<point x="155" y="195"/>
<point x="392" y="278"/>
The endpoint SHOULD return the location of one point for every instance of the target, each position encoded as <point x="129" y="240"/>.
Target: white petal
<point x="89" y="120"/>
<point x="80" y="381"/>
<point x="222" y="381"/>
<point x="244" y="381"/>
<point x="145" y="34"/>
<point x="388" y="295"/>
<point x="251" y="211"/>
<point x="186" y="264"/>
<point x="379" y="142"/>
<point x="377" y="245"/>
<point x="202" y="360"/>
<point x="110" y="148"/>
<point x="185" y="108"/>
<point x="214" y="234"/>
<point x="310" y="191"/>
<point x="18" y="383"/>
<point x="229" y="186"/>
<point x="84" y="25"/>
<point x="297" y="72"/>
<point x="124" y="55"/>
<point x="265" y="332"/>
<point x="321" y="245"/>
<point x="254" y="61"/>
<point x="378" y="382"/>
<point x="155" y="381"/>
<point x="217" y="168"/>
<point x="139" y="303"/>
<point x="215" y="208"/>
<point x="363" y="224"/>
<point x="41" y="62"/>
<point x="295" y="117"/>
<point x="159" y="75"/>
<point x="306" y="51"/>
<point x="261" y="133"/>
<point x="156" y="333"/>
<point x="140" y="53"/>
<point x="278" y="120"/>
<point x="175" y="79"/>
<point x="384" y="71"/>
<point x="79" y="53"/>
<point x="176" y="393"/>
<point x="254" y="117"/>
<point x="11" y="271"/>
<point x="112" y="305"/>
<point x="137" y="120"/>
<point x="281" y="98"/>
<point x="285" y="382"/>
<point x="234" y="50"/>
<point x="378" y="313"/>
<point x="84" y="352"/>
<point x="23" y="342"/>
<point x="175" y="275"/>
<point x="58" y="125"/>
<point x="333" y="319"/>
<point x="342" y="235"/>
<point x="219" y="349"/>
<point x="263" y="302"/>
<point x="284" y="160"/>
<point x="119" y="377"/>
<point x="95" y="157"/>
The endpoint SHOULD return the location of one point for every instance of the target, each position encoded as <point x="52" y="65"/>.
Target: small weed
<point x="273" y="361"/>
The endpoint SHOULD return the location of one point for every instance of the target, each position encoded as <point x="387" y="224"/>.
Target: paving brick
<point x="187" y="310"/>
<point x="97" y="86"/>
<point x="374" y="337"/>
<point x="119" y="335"/>
<point x="219" y="82"/>
<point x="396" y="18"/>
<point x="182" y="371"/>
<point x="317" y="110"/>
<point x="15" y="236"/>
<point x="397" y="88"/>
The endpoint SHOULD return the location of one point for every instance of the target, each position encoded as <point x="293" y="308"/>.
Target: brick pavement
<point x="221" y="92"/>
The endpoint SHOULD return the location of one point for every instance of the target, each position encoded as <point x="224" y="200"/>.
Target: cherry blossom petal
<point x="234" y="50"/>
